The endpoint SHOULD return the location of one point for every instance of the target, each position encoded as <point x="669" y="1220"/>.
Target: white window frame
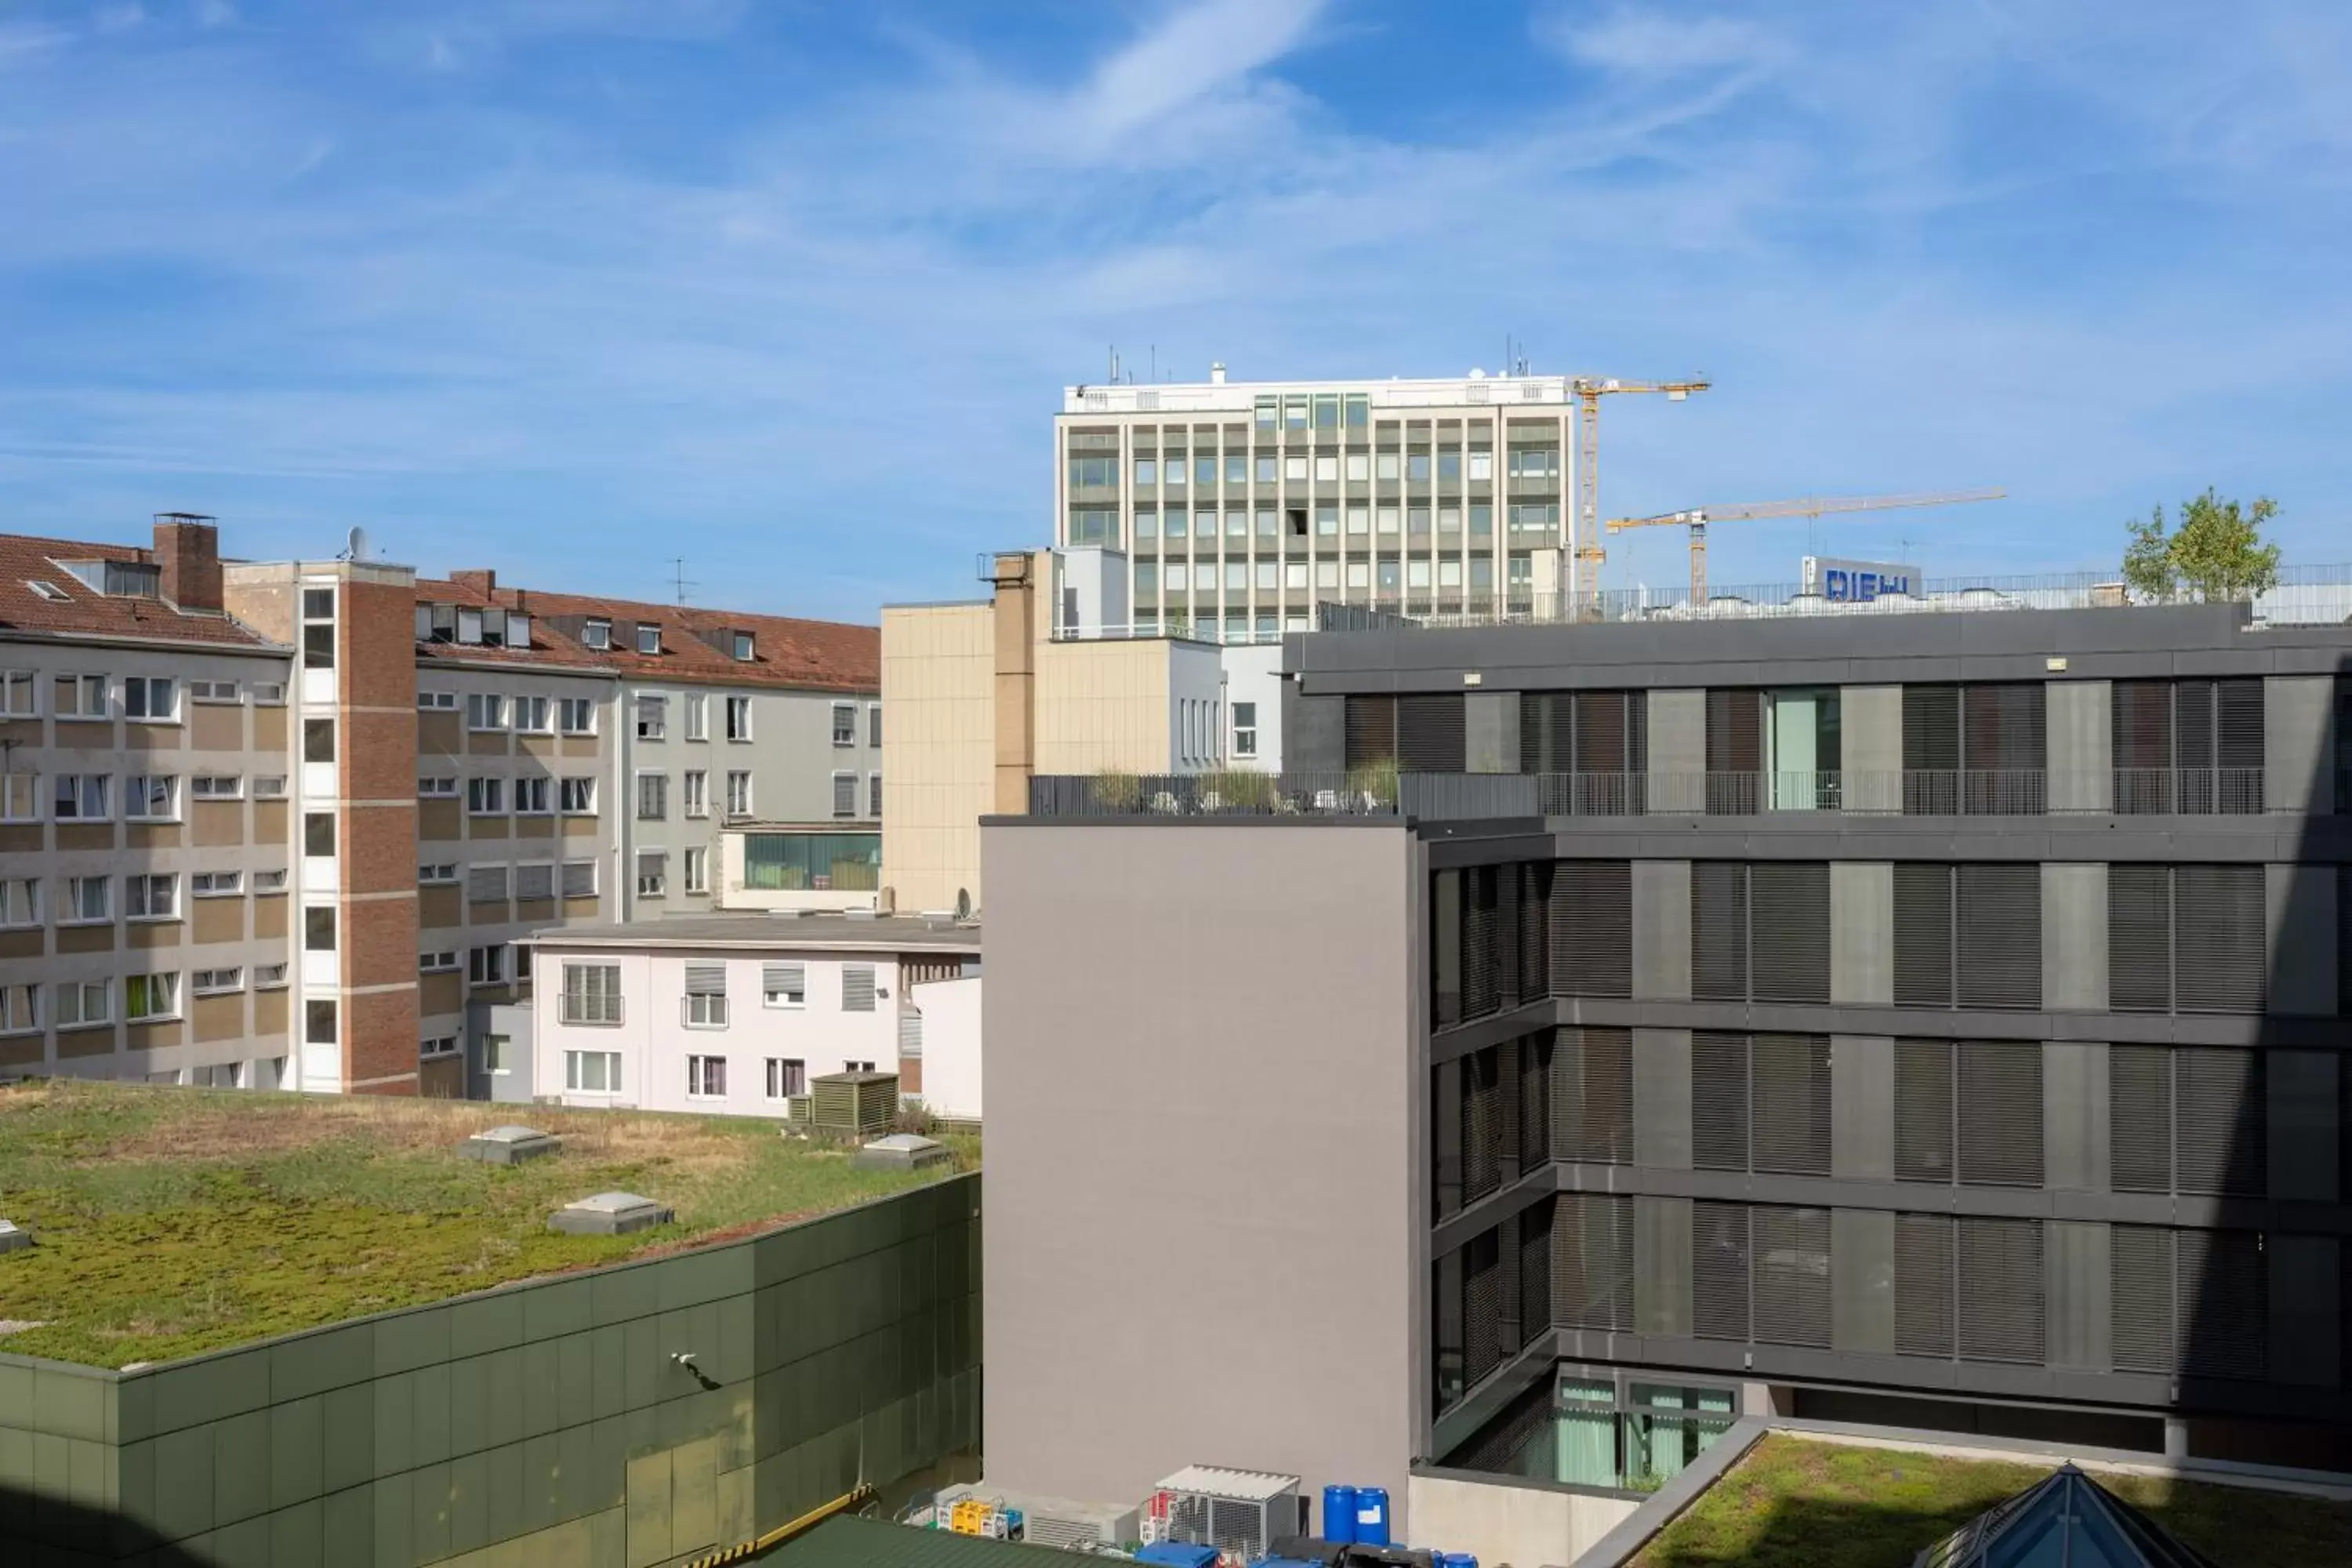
<point x="660" y="796"/>
<point x="438" y="1045"/>
<point x="269" y="694"/>
<point x="532" y="716"/>
<point x="739" y="708"/>
<point x="77" y="901"/>
<point x="694" y="798"/>
<point x="530" y="788"/>
<point x="649" y="637"/>
<point x="583" y="1005"/>
<point x="441" y="787"/>
<point x="168" y="980"/>
<point x="216" y="982"/>
<point x="437" y="873"/>
<point x="655" y="884"/>
<point x="82" y="791"/>
<point x="576" y="795"/>
<point x="485" y="712"/>
<point x="738" y="792"/>
<point x="840" y="776"/>
<point x="20" y="902"/>
<point x="271" y="976"/>
<point x="485" y="787"/>
<point x="703" y="1010"/>
<point x="652" y="716"/>
<point x="138" y="793"/>
<point x="215" y="884"/>
<point x="782" y="1071"/>
<point x="20" y="797"/>
<point x="697" y="869"/>
<point x="269" y="787"/>
<point x="215" y="786"/>
<point x="83" y="992"/>
<point x="442" y="962"/>
<point x="87" y="689"/>
<point x="699" y="1076"/>
<point x="584" y="707"/>
<point x="20" y="1009"/>
<point x="141" y="900"/>
<point x="697" y="716"/>
<point x="20" y="694"/>
<point x="140" y="690"/>
<point x="597" y="632"/>
<point x="487" y="965"/>
<point x="437" y="701"/>
<point x="575" y="1078"/>
<point x="844" y="725"/>
<point x="270" y="881"/>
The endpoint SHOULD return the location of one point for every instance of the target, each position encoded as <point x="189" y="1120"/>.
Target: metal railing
<point x="1381" y="791"/>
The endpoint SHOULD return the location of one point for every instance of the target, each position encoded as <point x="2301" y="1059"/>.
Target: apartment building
<point x="1931" y="1019"/>
<point x="735" y="1015"/>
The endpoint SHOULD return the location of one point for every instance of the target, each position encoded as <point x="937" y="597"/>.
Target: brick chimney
<point x="480" y="579"/>
<point x="187" y="545"/>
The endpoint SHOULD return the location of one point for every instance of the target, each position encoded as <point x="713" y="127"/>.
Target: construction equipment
<point x="1698" y="517"/>
<point x="1584" y="523"/>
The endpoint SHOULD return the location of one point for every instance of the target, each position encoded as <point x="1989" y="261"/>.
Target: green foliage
<point x="1118" y="792"/>
<point x="2217" y="554"/>
<point x="1239" y="789"/>
<point x="1378" y="780"/>
<point x="172" y="1221"/>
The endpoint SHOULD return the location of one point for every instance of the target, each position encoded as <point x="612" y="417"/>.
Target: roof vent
<point x="509" y="1146"/>
<point x="12" y="1237"/>
<point x="899" y="1151"/>
<point x="609" y="1214"/>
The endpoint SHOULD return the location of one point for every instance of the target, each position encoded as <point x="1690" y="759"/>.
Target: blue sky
<point x="571" y="289"/>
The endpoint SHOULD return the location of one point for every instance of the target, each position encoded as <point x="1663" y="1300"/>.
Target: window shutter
<point x="579" y="879"/>
<point x="911" y="1032"/>
<point x="534" y="881"/>
<point x="486" y="884"/>
<point x="1534" y="1266"/>
<point x="1592" y="1095"/>
<point x="2224" y="960"/>
<point x="1719" y="931"/>
<point x="1544" y="738"/>
<point x="844" y="794"/>
<point x="1999" y="922"/>
<point x="706" y="980"/>
<point x="2224" y="1294"/>
<point x="1591" y="923"/>
<point x="1371" y="730"/>
<point x="2000" y="1114"/>
<point x="1535" y="1056"/>
<point x="1791" y="1250"/>
<point x="1734" y="750"/>
<point x="857" y="988"/>
<point x="1481" y="1137"/>
<point x="2005" y="747"/>
<point x="2000" y="1273"/>
<point x="2140" y="736"/>
<point x="1931" y="750"/>
<point x="1922" y="1284"/>
<point x="1481" y="993"/>
<point x="2139" y="1117"/>
<point x="1592" y="1261"/>
<point x="1534" y="929"/>
<point x="1503" y="889"/>
<point x="1922" y="1110"/>
<point x="2139" y="939"/>
<point x="1719" y="1271"/>
<point x="2193" y="702"/>
<point x="1481" y="1308"/>
<point x="1790" y="1116"/>
<point x="2140" y="1299"/>
<point x="1430" y="737"/>
<point x="1791" y="930"/>
<point x="784" y="978"/>
<point x="2220" y="1110"/>
<point x="1718" y="1101"/>
<point x="1923" y="935"/>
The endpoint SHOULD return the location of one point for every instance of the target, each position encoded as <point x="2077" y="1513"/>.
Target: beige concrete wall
<point x="938" y="693"/>
<point x="1506" y="1523"/>
<point x="1103" y="706"/>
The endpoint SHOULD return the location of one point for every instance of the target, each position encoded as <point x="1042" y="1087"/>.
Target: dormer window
<point x="48" y="591"/>
<point x="119" y="579"/>
<point x="743" y="648"/>
<point x="596" y="634"/>
<point x="649" y="636"/>
<point x="437" y="623"/>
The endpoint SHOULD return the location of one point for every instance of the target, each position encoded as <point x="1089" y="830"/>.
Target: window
<point x="844" y="794"/>
<point x="1244" y="730"/>
<point x="784" y="985"/>
<point x="487" y="965"/>
<point x="530" y="714"/>
<point x="1147" y="472"/>
<point x="697" y="870"/>
<point x="706" y="996"/>
<point x="318" y="740"/>
<point x="438" y="1045"/>
<point x="653" y="718"/>
<point x="271" y="788"/>
<point x="498" y="1054"/>
<point x="653" y="876"/>
<point x="437" y="701"/>
<point x="577" y="796"/>
<point x="150" y="797"/>
<point x="744" y="651"/>
<point x="596" y="633"/>
<point x="319" y="928"/>
<point x="694" y="798"/>
<point x="20" y="797"/>
<point x="1481" y="463"/>
<point x="269" y="693"/>
<point x="653" y="798"/>
<point x="530" y="795"/>
<point x="20" y="1009"/>
<point x="1294" y="468"/>
<point x="739" y="718"/>
<point x="81" y="1003"/>
<point x="485" y="711"/>
<point x="319" y="1020"/>
<point x="270" y="881"/>
<point x="213" y="982"/>
<point x="592" y="993"/>
<point x="81" y="797"/>
<point x="874" y="796"/>
<point x="592" y="1073"/>
<point x="857" y="988"/>
<point x="535" y="883"/>
<point x="844" y="724"/>
<point x="81" y="697"/>
<point x="579" y="878"/>
<point x="486" y="797"/>
<point x="796" y="861"/>
<point x="705" y="1077"/>
<point x="437" y="789"/>
<point x="576" y="716"/>
<point x="874" y="719"/>
<point x="437" y="871"/>
<point x="787" y="1076"/>
<point x="215" y="786"/>
<point x="17" y="698"/>
<point x="152" y="698"/>
<point x="738" y="793"/>
<point x="215" y="884"/>
<point x="151" y="996"/>
<point x="437" y="963"/>
<point x="1094" y="525"/>
<point x="649" y="636"/>
<point x="858" y="1067"/>
<point x="20" y="902"/>
<point x="697" y="716"/>
<point x="486" y="885"/>
<point x="268" y="976"/>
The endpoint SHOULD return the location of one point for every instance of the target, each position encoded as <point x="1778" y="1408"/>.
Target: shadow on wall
<point x="2256" y="1300"/>
<point x="69" y="1535"/>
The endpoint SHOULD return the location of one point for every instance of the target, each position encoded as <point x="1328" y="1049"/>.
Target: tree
<point x="2216" y="554"/>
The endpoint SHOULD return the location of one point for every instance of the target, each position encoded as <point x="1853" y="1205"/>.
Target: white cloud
<point x="1646" y="42"/>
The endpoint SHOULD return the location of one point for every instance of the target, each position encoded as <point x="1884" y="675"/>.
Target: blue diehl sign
<point x="1853" y="582"/>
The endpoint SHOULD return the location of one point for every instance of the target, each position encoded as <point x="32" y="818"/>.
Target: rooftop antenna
<point x="684" y="582"/>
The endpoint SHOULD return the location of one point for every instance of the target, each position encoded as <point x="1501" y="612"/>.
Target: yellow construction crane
<point x="1584" y="523"/>
<point x="1698" y="517"/>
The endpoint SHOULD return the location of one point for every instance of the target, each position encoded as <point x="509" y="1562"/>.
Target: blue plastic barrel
<point x="1339" y="1515"/>
<point x="1456" y="1560"/>
<point x="1371" y="1516"/>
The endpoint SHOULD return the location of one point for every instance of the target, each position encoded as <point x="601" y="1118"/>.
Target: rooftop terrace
<point x="175" y="1221"/>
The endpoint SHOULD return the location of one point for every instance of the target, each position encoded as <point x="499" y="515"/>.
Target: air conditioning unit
<point x="1239" y="1513"/>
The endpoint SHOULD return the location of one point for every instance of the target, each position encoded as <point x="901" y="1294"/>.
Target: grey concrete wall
<point x="1678" y="739"/>
<point x="1661" y="1266"/>
<point x="2081" y="745"/>
<point x="1870" y="733"/>
<point x="1662" y="944"/>
<point x="1662" y="1098"/>
<point x="1861" y="1281"/>
<point x="1314" y="731"/>
<point x="1206" y="1219"/>
<point x="2299" y="743"/>
<point x="1490" y="724"/>
<point x="2076" y="1116"/>
<point x="2302" y="928"/>
<point x="1862" y="1107"/>
<point x="1861" y="931"/>
<point x="2307" y="1293"/>
<point x="2074" y="938"/>
<point x="2301" y="1086"/>
<point x="2078" y="1287"/>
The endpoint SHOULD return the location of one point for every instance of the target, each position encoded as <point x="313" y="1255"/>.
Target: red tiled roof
<point x="822" y="656"/>
<point x="86" y="612"/>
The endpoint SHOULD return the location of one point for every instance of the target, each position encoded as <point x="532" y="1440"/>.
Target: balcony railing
<point x="1381" y="791"/>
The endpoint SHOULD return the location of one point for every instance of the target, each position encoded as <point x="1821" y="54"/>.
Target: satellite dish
<point x="359" y="544"/>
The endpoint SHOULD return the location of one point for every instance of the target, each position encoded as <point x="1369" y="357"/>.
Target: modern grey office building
<point x="1933" y="1019"/>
